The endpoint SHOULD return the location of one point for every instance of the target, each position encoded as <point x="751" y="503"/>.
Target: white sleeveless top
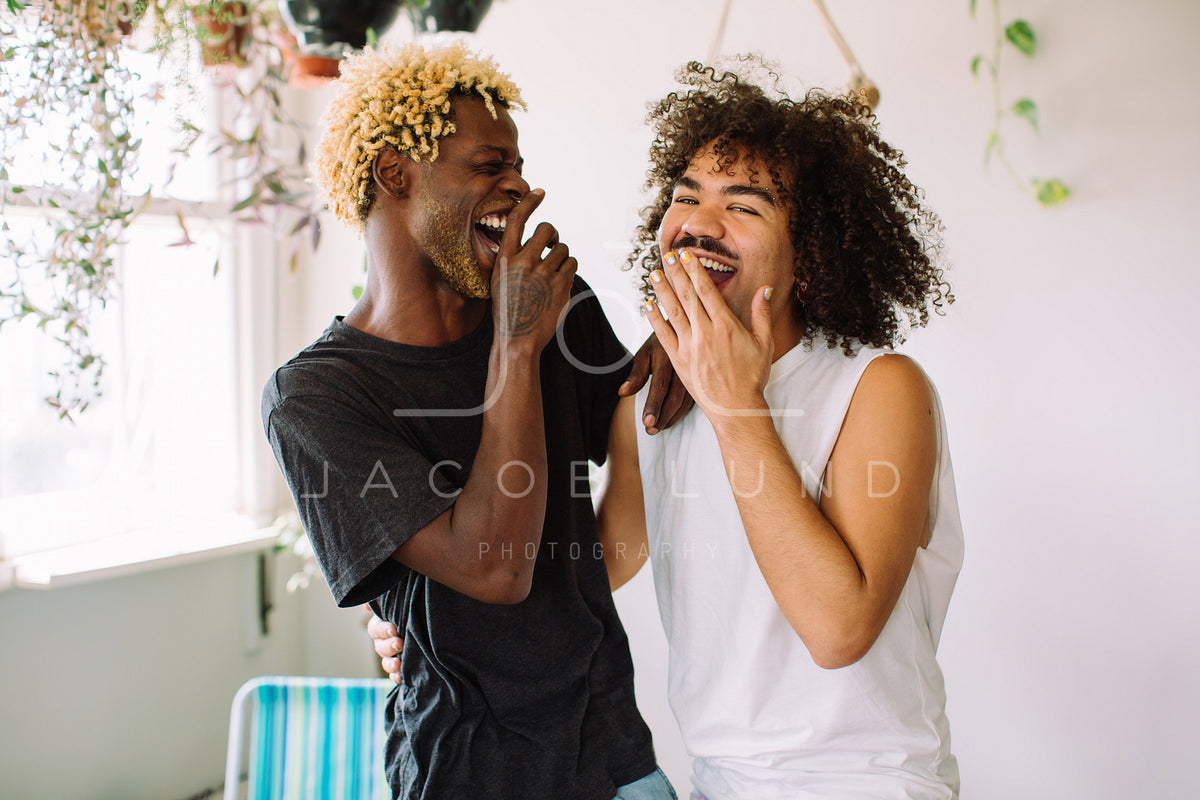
<point x="759" y="718"/>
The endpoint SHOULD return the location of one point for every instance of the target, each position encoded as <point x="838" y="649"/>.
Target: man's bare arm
<point x="621" y="517"/>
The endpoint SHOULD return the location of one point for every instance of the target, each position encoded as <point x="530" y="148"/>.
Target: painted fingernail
<point x="767" y="293"/>
<point x="685" y="256"/>
<point x="657" y="275"/>
<point x="669" y="258"/>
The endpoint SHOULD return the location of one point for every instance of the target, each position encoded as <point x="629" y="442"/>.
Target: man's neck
<point x="786" y="333"/>
<point x="405" y="299"/>
<point x="422" y="313"/>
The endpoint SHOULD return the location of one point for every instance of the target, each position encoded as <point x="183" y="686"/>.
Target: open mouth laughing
<point x="491" y="229"/>
<point x="718" y="271"/>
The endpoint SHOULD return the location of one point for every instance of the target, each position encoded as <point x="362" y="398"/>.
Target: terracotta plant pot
<point x="221" y="28"/>
<point x="304" y="70"/>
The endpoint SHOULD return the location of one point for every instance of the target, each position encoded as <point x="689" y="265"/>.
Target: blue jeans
<point x="654" y="786"/>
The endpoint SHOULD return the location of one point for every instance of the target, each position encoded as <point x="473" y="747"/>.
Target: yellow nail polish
<point x="767" y="292"/>
<point x="669" y="258"/>
<point x="656" y="276"/>
<point x="685" y="256"/>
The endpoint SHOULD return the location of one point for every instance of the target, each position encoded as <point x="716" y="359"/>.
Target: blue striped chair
<point x="309" y="739"/>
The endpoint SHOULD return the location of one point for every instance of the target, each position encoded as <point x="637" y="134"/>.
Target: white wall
<point x="1073" y="640"/>
<point x="121" y="689"/>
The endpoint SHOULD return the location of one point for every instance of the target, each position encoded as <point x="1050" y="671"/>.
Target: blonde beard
<point x="452" y="255"/>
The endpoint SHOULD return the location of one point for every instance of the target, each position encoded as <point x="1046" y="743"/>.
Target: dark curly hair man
<point x="802" y="529"/>
<point x="867" y="249"/>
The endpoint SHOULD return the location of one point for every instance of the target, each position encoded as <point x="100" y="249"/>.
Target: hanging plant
<point x="68" y="100"/>
<point x="67" y="88"/>
<point x="221" y="29"/>
<point x="239" y="46"/>
<point x="1019" y="35"/>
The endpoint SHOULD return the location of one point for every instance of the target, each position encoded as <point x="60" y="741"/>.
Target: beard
<point x="451" y="251"/>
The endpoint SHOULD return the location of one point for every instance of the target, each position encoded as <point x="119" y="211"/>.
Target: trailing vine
<point x="1020" y="35"/>
<point x="65" y="74"/>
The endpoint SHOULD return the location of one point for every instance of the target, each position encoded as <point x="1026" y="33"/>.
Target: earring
<point x="802" y="290"/>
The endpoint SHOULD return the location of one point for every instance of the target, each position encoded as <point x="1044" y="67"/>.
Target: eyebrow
<point x="501" y="152"/>
<point x="731" y="190"/>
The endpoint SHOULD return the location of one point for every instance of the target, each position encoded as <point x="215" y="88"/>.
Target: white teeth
<point x="717" y="266"/>
<point x="495" y="248"/>
<point x="494" y="221"/>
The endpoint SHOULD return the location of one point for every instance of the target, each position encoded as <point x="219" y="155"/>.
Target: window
<point x="168" y="459"/>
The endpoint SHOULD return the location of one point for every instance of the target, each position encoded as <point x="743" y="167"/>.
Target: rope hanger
<point x="859" y="83"/>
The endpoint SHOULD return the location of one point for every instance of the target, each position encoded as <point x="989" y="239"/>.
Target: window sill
<point x="134" y="552"/>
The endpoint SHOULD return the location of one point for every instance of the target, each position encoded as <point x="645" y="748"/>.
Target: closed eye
<point x="499" y="166"/>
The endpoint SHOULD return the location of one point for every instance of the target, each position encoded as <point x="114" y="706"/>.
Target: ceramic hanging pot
<point x="331" y="27"/>
<point x="432" y="16"/>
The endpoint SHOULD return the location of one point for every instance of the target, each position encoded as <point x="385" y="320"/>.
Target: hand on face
<point x="724" y="365"/>
<point x="529" y="290"/>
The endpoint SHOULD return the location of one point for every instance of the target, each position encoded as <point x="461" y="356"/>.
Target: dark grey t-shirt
<point x="528" y="701"/>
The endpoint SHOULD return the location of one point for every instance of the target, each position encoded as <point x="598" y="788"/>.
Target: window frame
<point x="255" y="268"/>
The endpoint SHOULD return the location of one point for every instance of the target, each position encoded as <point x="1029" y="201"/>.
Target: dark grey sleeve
<point x="361" y="490"/>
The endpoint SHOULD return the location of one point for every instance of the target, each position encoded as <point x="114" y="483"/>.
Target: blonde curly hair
<point x="400" y="98"/>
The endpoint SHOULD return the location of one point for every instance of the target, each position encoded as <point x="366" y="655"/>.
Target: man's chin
<point x="468" y="279"/>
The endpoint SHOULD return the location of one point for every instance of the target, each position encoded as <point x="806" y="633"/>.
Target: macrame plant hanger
<point x="859" y="83"/>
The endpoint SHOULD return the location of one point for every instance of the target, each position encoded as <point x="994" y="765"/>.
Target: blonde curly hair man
<point x="431" y="437"/>
<point x="399" y="98"/>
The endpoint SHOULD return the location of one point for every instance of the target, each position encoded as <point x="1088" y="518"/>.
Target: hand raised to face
<point x="529" y="289"/>
<point x="723" y="365"/>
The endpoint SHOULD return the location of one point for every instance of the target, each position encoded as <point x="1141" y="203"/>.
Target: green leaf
<point x="1028" y="109"/>
<point x="992" y="143"/>
<point x="17" y="189"/>
<point x="972" y="8"/>
<point x="1050" y="192"/>
<point x="246" y="202"/>
<point x="357" y="291"/>
<point x="1020" y="33"/>
<point x="975" y="62"/>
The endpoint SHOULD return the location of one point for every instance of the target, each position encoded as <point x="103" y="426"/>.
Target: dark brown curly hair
<point x="867" y="249"/>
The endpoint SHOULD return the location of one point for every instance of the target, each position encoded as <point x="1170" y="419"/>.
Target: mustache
<point x="703" y="243"/>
